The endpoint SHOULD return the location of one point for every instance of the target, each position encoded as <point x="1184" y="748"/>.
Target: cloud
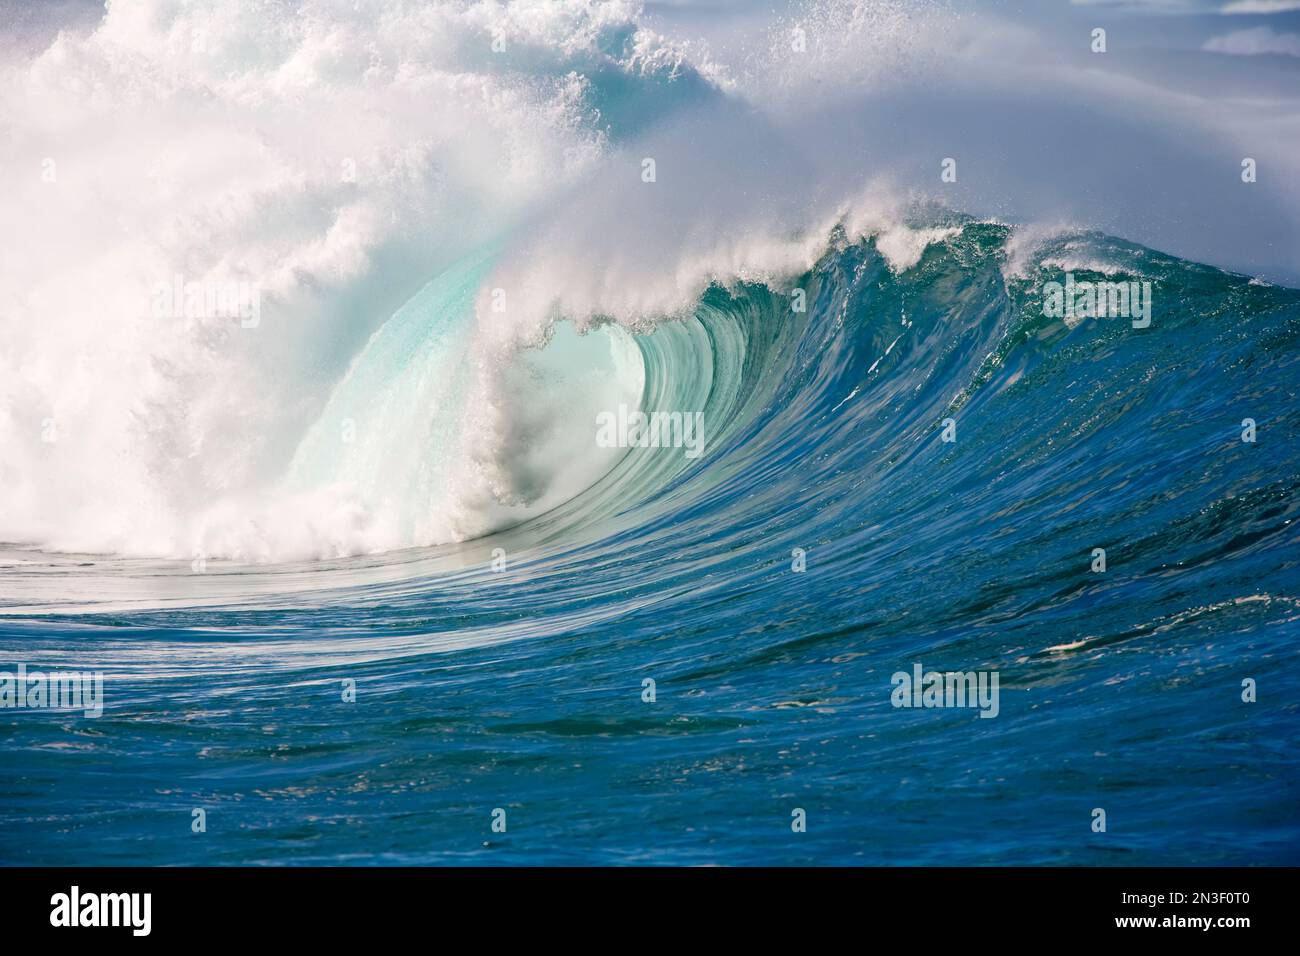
<point x="1254" y="42"/>
<point x="1161" y="6"/>
<point x="1261" y="6"/>
<point x="1195" y="7"/>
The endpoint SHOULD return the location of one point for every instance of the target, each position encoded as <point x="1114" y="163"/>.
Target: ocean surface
<point x="522" y="688"/>
<point x="365" y="588"/>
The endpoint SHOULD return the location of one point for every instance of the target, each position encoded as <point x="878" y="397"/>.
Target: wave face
<point x="362" y="577"/>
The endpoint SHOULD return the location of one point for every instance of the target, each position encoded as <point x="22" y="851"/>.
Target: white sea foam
<point x="336" y="158"/>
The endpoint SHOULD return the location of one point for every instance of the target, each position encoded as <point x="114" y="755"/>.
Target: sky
<point x="1184" y="85"/>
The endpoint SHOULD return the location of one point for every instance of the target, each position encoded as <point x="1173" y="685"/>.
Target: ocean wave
<point x="331" y="164"/>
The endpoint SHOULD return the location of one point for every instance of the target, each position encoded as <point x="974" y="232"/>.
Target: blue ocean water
<point x="507" y="673"/>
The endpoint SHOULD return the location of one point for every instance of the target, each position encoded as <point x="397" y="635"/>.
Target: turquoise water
<point x="522" y="689"/>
